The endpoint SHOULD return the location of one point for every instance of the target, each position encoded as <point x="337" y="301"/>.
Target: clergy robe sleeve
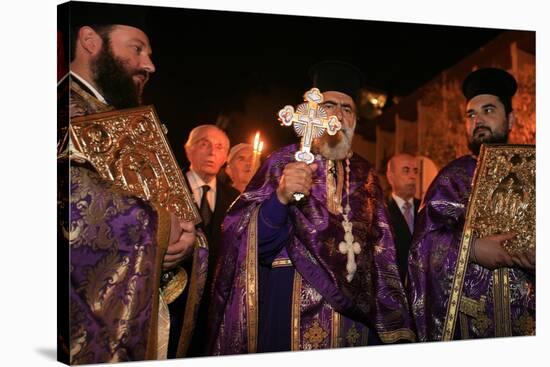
<point x="273" y="229"/>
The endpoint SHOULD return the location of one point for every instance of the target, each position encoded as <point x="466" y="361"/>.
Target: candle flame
<point x="256" y="141"/>
<point x="260" y="147"/>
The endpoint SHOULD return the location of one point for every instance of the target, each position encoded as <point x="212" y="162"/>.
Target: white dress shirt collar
<point x="399" y="201"/>
<point x="196" y="183"/>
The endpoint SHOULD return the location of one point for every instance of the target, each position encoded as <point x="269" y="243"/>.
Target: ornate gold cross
<point x="310" y="122"/>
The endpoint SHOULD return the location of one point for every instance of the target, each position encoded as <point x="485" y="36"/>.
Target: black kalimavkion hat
<point x="493" y="81"/>
<point x="84" y="13"/>
<point x="337" y="76"/>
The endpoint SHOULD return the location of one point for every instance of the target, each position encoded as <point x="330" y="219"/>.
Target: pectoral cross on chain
<point x="310" y="122"/>
<point x="351" y="248"/>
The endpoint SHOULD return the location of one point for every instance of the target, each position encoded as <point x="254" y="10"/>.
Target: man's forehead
<point x="244" y="152"/>
<point x="406" y="161"/>
<point x="339" y="97"/>
<point x="212" y="134"/>
<point x="129" y="32"/>
<point x="483" y="99"/>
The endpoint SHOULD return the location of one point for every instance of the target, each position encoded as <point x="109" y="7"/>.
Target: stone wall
<point x="430" y="121"/>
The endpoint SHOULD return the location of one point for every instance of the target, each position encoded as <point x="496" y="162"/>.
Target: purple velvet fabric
<point x="375" y="296"/>
<point x="433" y="257"/>
<point x="112" y="266"/>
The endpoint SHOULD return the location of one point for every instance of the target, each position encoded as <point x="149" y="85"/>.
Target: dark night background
<point x="238" y="69"/>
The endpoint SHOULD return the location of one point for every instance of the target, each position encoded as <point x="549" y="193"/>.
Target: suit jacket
<point x="225" y="195"/>
<point x="402" y="234"/>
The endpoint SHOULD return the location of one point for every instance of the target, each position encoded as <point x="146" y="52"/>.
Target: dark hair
<point x="507" y="102"/>
<point x="104" y="30"/>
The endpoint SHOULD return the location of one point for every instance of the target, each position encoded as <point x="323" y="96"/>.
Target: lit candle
<point x="260" y="147"/>
<point x="257" y="151"/>
<point x="256" y="141"/>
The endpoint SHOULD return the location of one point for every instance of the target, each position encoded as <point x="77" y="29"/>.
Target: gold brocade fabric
<point x="163" y="329"/>
<point x="175" y="286"/>
<point x="113" y="272"/>
<point x="315" y="335"/>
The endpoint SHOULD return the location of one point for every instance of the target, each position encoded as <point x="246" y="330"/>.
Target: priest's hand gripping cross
<point x="310" y="122"/>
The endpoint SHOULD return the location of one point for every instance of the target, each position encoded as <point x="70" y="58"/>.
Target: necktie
<point x="408" y="214"/>
<point x="206" y="212"/>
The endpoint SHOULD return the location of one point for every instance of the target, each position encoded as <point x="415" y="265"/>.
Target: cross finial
<point x="310" y="122"/>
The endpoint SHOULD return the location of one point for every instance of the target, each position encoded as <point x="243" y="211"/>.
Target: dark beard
<point x="114" y="80"/>
<point x="474" y="144"/>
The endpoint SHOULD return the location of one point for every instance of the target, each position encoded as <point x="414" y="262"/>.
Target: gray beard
<point x="336" y="147"/>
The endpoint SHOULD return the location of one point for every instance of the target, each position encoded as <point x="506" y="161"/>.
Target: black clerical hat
<point x="337" y="76"/>
<point x="496" y="82"/>
<point x="84" y="13"/>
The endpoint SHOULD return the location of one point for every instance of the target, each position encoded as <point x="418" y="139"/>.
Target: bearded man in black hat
<point x="110" y="57"/>
<point x="115" y="244"/>
<point x="439" y="228"/>
<point x="287" y="278"/>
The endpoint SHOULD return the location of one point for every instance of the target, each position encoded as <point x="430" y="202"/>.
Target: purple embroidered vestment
<point x="432" y="261"/>
<point x="326" y="310"/>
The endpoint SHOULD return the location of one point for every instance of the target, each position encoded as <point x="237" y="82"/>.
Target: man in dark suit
<point x="206" y="149"/>
<point x="401" y="173"/>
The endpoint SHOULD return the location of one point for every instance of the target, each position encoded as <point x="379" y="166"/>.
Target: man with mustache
<point x="438" y="232"/>
<point x="286" y="278"/>
<point x="116" y="244"/>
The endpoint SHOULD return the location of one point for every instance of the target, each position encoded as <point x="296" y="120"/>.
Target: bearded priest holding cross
<point x="308" y="258"/>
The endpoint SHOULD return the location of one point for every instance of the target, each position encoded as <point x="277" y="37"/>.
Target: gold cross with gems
<point x="310" y="122"/>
